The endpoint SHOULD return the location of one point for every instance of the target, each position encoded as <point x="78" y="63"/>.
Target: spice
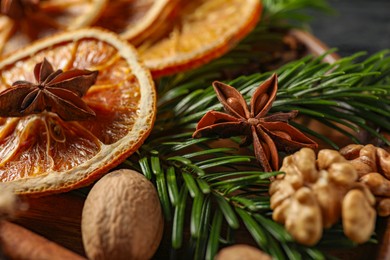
<point x="16" y="9"/>
<point x="16" y="242"/>
<point x="56" y="91"/>
<point x="122" y="218"/>
<point x="269" y="133"/>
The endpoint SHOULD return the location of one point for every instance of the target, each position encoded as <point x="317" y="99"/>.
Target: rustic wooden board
<point x="58" y="218"/>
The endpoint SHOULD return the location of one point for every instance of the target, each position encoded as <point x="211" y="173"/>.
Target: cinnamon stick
<point x="17" y="242"/>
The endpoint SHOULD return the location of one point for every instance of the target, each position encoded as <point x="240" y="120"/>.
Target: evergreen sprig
<point x="212" y="189"/>
<point x="226" y="186"/>
<point x="347" y="96"/>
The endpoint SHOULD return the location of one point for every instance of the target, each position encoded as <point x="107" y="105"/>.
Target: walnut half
<point x="316" y="193"/>
<point x="373" y="167"/>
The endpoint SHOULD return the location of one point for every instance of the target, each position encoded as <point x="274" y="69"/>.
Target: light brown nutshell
<point x="241" y="252"/>
<point x="122" y="217"/>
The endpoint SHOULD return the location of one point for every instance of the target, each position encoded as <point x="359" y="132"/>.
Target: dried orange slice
<point x="46" y="18"/>
<point x="203" y="30"/>
<point x="40" y="153"/>
<point x="135" y="20"/>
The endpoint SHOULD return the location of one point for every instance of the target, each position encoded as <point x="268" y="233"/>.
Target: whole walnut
<point x="122" y="218"/>
<point x="373" y="166"/>
<point x="316" y="193"/>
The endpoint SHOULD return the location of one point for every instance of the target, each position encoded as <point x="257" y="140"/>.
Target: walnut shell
<point x="122" y="218"/>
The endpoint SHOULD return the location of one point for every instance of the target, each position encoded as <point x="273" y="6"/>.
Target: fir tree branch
<point x="340" y="93"/>
<point x="225" y="186"/>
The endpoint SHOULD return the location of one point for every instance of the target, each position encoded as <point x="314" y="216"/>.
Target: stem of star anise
<point x="54" y="91"/>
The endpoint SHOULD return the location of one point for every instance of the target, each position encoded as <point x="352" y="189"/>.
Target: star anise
<point x="56" y="91"/>
<point x="269" y="133"/>
<point x="16" y="9"/>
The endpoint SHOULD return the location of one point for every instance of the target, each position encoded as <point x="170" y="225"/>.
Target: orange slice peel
<point x="138" y="19"/>
<point x="47" y="18"/>
<point x="202" y="31"/>
<point x="41" y="153"/>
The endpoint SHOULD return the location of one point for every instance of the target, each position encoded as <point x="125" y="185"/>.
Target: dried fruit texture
<point x="43" y="153"/>
<point x="122" y="218"/>
<point x="241" y="251"/>
<point x="315" y="193"/>
<point x="43" y="19"/>
<point x="203" y="30"/>
<point x="138" y="20"/>
<point x="373" y="167"/>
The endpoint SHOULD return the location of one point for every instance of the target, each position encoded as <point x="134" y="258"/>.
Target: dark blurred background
<point x="358" y="25"/>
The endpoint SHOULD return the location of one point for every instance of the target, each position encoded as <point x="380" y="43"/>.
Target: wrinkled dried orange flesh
<point x="203" y="30"/>
<point x="136" y="20"/>
<point x="43" y="144"/>
<point x="50" y="17"/>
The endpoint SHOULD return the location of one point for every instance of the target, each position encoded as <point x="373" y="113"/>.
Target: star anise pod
<point x="56" y="91"/>
<point x="269" y="133"/>
<point x="16" y="9"/>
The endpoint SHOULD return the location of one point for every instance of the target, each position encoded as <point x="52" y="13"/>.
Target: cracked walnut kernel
<point x="316" y="193"/>
<point x="373" y="167"/>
